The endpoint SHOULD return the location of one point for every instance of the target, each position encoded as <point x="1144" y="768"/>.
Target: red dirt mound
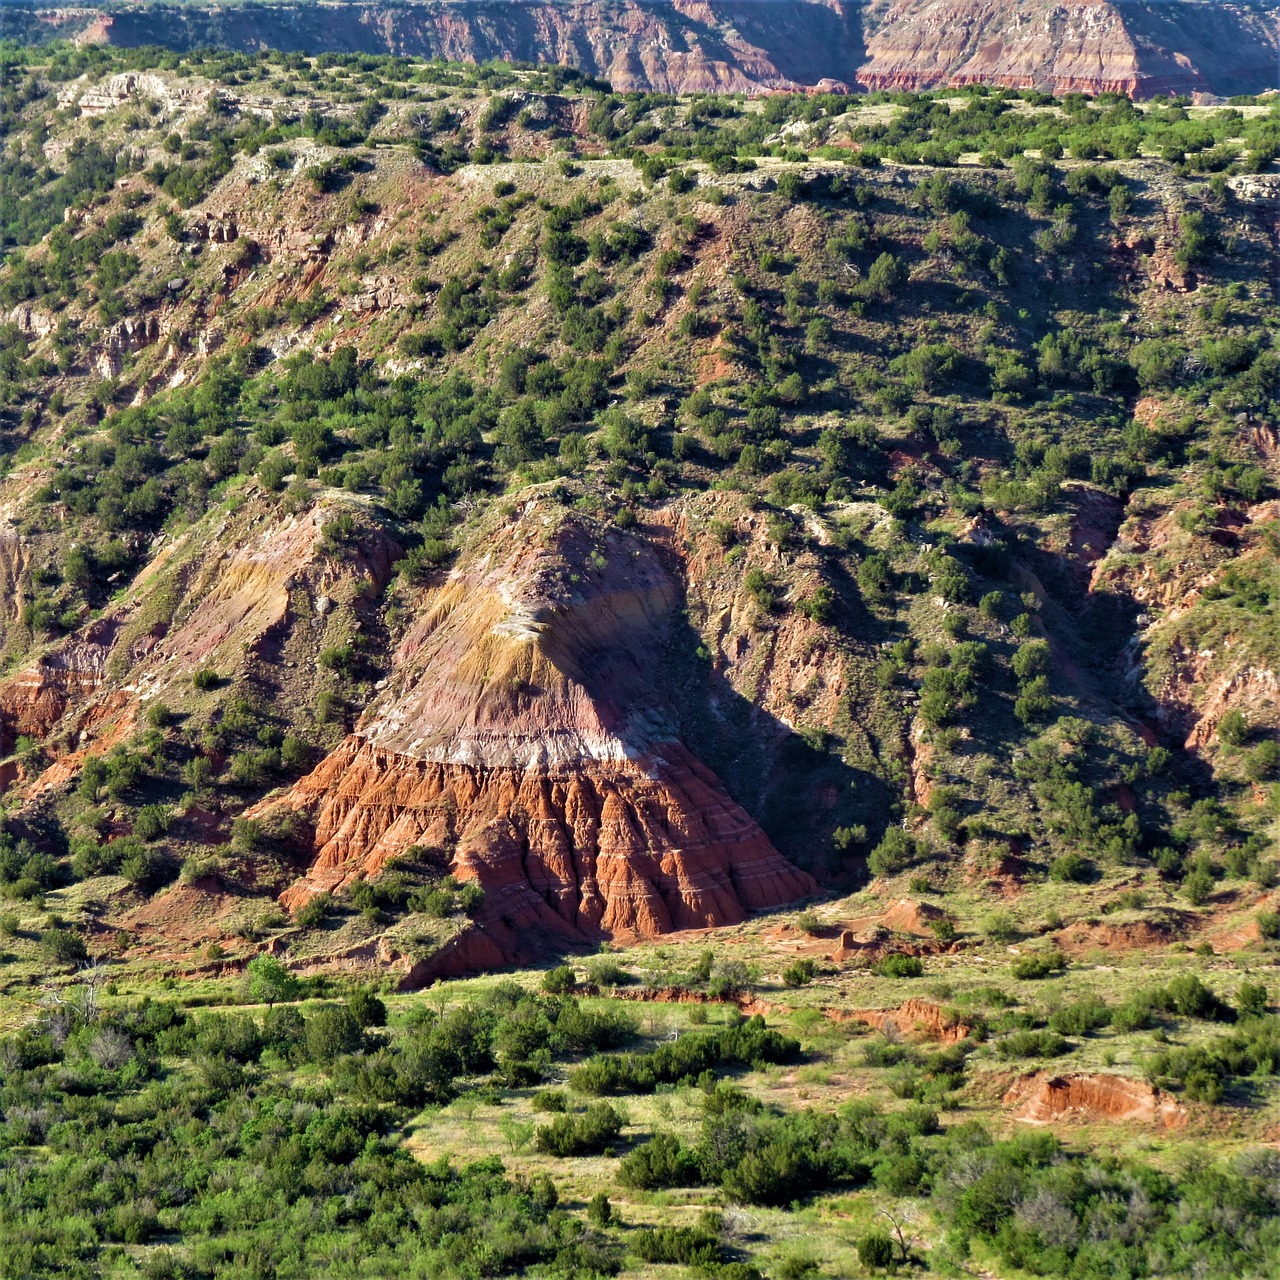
<point x="1134" y="935"/>
<point x="523" y="731"/>
<point x="182" y="918"/>
<point x="908" y="916"/>
<point x="1044" y="1098"/>
<point x="917" y="1018"/>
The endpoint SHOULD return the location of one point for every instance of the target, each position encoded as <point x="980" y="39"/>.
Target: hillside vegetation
<point x="455" y="518"/>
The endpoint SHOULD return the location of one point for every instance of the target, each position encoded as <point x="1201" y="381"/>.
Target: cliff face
<point x="1091" y="46"/>
<point x="687" y="46"/>
<point x="524" y="731"/>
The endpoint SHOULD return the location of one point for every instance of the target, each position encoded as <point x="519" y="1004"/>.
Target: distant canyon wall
<point x="1090" y="46"/>
<point x="1138" y="47"/>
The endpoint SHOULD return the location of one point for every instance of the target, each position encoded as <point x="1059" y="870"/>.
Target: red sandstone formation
<point x="1089" y="46"/>
<point x="1136" y="935"/>
<point x="680" y="46"/>
<point x="1044" y="1098"/>
<point x="916" y="1018"/>
<point x="754" y="46"/>
<point x="523" y="731"/>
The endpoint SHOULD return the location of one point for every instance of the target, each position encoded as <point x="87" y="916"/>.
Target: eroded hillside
<point x="748" y="46"/>
<point x="449" y="514"/>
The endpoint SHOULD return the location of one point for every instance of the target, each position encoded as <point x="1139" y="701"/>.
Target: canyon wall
<point x="754" y="46"/>
<point x="684" y="47"/>
<point x="1089" y="46"/>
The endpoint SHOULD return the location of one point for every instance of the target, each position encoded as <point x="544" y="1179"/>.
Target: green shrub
<point x="1263" y="763"/>
<point x="799" y="973"/>
<point x="145" y="867"/>
<point x="312" y="913"/>
<point x="606" y="972"/>
<point x="875" y="1250"/>
<point x="748" y="1043"/>
<point x="330" y="1032"/>
<point x="1000" y="926"/>
<point x="152" y="821"/>
<point x="1198" y="886"/>
<point x="1032" y="1044"/>
<point x="1233" y="729"/>
<point x="1078" y="1019"/>
<point x="897" y="965"/>
<point x="367" y="1009"/>
<point x="560" y="981"/>
<point x="808" y="922"/>
<point x="1071" y="867"/>
<point x="599" y="1210"/>
<point x="664" y="1161"/>
<point x="1252" y="1000"/>
<point x="1039" y="964"/>
<point x="1134" y="1014"/>
<point x="689" y="1246"/>
<point x="63" y="946"/>
<point x="580" y="1135"/>
<point x="895" y="852"/>
<point x="340" y="658"/>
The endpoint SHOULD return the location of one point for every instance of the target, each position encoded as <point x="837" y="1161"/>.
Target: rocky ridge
<point x="694" y="46"/>
<point x="522" y="732"/>
<point x="1094" y="46"/>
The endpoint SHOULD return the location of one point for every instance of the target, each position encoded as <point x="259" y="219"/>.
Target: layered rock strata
<point x="754" y="46"/>
<point x="524" y="733"/>
<point x="1087" y="46"/>
<point x="682" y="46"/>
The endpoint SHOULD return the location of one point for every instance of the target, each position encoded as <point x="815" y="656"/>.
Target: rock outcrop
<point x="754" y="46"/>
<point x="1089" y="46"/>
<point x="229" y="595"/>
<point x="1043" y="1098"/>
<point x="684" y="46"/>
<point x="525" y="733"/>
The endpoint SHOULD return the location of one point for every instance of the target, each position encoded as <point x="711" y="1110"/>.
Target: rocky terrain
<point x="523" y="730"/>
<point x="754" y="46"/>
<point x="1096" y="47"/>
<point x="613" y="684"/>
<point x="448" y="526"/>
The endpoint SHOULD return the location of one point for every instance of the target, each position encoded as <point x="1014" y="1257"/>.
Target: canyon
<point x="427" y="556"/>
<point x="750" y="46"/>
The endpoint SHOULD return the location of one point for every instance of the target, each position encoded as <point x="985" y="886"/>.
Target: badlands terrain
<point x="735" y="46"/>
<point x="633" y="683"/>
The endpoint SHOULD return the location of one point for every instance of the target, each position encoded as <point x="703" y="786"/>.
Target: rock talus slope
<point x="523" y="734"/>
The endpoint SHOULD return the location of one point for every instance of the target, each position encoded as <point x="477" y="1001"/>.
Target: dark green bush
<point x="64" y="946"/>
<point x="1039" y="964"/>
<point x="897" y="965"/>
<point x="663" y="1161"/>
<point x="1032" y="1044"/>
<point x="580" y="1135"/>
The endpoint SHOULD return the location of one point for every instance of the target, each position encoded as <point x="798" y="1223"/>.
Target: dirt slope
<point x="522" y="731"/>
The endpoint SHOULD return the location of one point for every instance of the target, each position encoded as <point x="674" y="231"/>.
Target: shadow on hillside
<point x="794" y="784"/>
